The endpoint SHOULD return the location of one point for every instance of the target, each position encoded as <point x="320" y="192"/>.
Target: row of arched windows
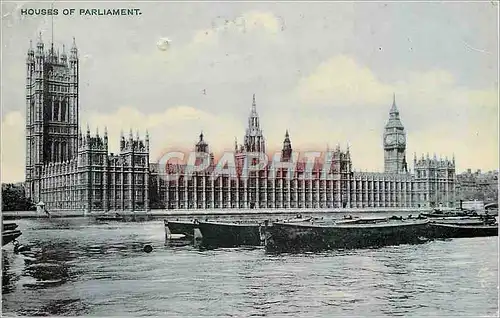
<point x="59" y="151"/>
<point x="57" y="110"/>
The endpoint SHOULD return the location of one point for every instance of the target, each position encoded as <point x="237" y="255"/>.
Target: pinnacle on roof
<point x="394" y="120"/>
<point x="394" y="109"/>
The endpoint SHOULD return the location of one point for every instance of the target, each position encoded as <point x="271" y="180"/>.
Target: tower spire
<point x="254" y="139"/>
<point x="254" y="107"/>
<point x="394" y="109"/>
<point x="52" y="30"/>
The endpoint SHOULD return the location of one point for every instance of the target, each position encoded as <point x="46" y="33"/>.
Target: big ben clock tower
<point x="394" y="143"/>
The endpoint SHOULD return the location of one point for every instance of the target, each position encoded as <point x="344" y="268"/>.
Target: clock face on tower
<point x="401" y="140"/>
<point x="390" y="140"/>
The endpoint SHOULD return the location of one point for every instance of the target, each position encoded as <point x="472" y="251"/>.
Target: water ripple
<point x="77" y="267"/>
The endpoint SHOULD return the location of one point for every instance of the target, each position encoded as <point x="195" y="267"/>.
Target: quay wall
<point x="208" y="212"/>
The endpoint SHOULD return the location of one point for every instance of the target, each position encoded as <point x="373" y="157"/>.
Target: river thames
<point x="79" y="267"/>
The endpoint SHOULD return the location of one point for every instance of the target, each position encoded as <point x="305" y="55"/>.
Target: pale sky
<point x="325" y="71"/>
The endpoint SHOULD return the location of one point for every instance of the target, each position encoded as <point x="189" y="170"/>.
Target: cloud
<point x="342" y="81"/>
<point x="177" y="128"/>
<point x="243" y="28"/>
<point x="207" y="56"/>
<point x="13" y="147"/>
<point x="301" y="81"/>
<point x="440" y="115"/>
<point x="247" y="22"/>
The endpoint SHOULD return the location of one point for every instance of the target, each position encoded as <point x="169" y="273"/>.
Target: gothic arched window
<point x="64" y="148"/>
<point x="63" y="110"/>
<point x="55" y="111"/>
<point x="32" y="110"/>
<point x="53" y="151"/>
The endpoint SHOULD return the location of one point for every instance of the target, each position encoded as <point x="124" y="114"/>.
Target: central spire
<point x="253" y="119"/>
<point x="254" y="139"/>
<point x="254" y="106"/>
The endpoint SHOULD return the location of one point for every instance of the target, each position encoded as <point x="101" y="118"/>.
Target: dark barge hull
<point x="215" y="234"/>
<point x="109" y="218"/>
<point x="464" y="221"/>
<point x="179" y="227"/>
<point x="9" y="236"/>
<point x="8" y="226"/>
<point x="289" y="237"/>
<point x="444" y="231"/>
<point x="9" y="233"/>
<point x="450" y="214"/>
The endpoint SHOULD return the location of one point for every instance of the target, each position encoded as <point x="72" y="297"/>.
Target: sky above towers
<point x="324" y="71"/>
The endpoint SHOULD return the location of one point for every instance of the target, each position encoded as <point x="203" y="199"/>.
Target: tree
<point x="14" y="198"/>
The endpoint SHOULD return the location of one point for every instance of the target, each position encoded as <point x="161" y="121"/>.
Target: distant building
<point x="478" y="185"/>
<point x="67" y="169"/>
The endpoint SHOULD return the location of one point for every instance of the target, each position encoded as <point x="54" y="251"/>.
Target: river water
<point x="79" y="267"/>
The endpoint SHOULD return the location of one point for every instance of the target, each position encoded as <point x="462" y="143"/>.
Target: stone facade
<point x="96" y="180"/>
<point x="51" y="111"/>
<point x="69" y="170"/>
<point x="331" y="183"/>
<point x="478" y="185"/>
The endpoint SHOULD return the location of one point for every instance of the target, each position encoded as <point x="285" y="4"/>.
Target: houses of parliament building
<point x="68" y="169"/>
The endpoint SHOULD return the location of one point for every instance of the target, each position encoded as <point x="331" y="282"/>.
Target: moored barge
<point x="305" y="237"/>
<point x="446" y="231"/>
<point x="231" y="234"/>
<point x="185" y="228"/>
<point x="479" y="220"/>
<point x="9" y="233"/>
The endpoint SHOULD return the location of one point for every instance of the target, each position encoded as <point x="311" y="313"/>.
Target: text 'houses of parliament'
<point x="70" y="170"/>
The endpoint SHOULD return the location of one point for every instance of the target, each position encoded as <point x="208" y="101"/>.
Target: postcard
<point x="303" y="159"/>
